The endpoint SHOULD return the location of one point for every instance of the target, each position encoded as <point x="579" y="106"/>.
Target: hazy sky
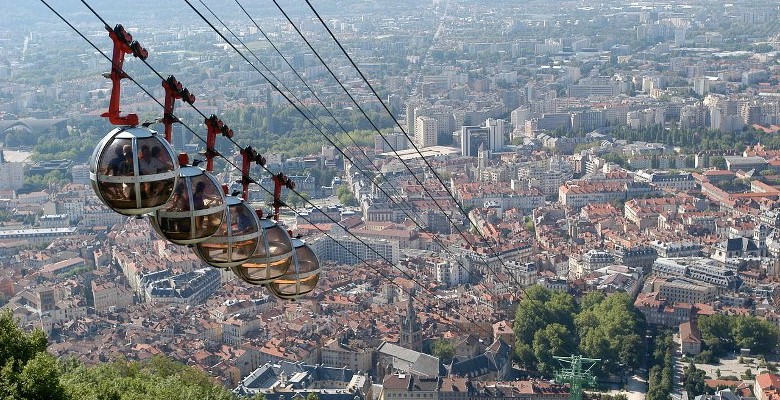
<point x="25" y="9"/>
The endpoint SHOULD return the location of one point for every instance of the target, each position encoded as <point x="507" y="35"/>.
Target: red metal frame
<point x="215" y="126"/>
<point x="173" y="91"/>
<point x="123" y="44"/>
<point x="280" y="181"/>
<point x="248" y="156"/>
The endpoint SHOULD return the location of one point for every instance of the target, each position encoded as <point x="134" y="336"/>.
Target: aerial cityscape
<point x="367" y="200"/>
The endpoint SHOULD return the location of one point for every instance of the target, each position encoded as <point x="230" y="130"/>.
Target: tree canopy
<point x="611" y="329"/>
<point x="28" y="371"/>
<point x="444" y="349"/>
<point x="729" y="333"/>
<point x="157" y="378"/>
<point x="345" y="196"/>
<point x="549" y="323"/>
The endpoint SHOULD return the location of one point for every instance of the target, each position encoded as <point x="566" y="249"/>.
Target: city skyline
<point x="480" y="161"/>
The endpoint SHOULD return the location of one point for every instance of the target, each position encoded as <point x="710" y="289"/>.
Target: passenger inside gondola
<point x="179" y="202"/>
<point x="113" y="191"/>
<point x="199" y="203"/>
<point x="126" y="168"/>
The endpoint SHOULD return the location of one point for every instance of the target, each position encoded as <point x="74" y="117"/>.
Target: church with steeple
<point x="411" y="331"/>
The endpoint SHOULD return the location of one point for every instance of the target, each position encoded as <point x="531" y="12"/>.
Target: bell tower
<point x="411" y="332"/>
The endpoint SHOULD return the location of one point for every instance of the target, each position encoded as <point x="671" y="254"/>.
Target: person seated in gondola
<point x="127" y="168"/>
<point x="179" y="202"/>
<point x="115" y="191"/>
<point x="113" y="164"/>
<point x="243" y="222"/>
<point x="199" y="203"/>
<point x="149" y="163"/>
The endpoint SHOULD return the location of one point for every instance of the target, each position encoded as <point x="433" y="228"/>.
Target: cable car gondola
<point x="236" y="239"/>
<point x="132" y="171"/>
<point x="196" y="209"/>
<point x="271" y="259"/>
<point x="302" y="277"/>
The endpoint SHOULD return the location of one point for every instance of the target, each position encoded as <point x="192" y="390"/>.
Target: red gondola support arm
<point x="249" y="156"/>
<point x="173" y="91"/>
<point x="280" y="181"/>
<point x="215" y="127"/>
<point x="123" y="44"/>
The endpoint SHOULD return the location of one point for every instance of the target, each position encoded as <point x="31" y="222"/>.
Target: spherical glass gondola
<point x="236" y="239"/>
<point x="271" y="259"/>
<point x="303" y="276"/>
<point x="132" y="170"/>
<point x="195" y="210"/>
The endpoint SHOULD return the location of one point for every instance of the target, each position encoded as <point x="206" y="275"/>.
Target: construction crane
<point x="575" y="371"/>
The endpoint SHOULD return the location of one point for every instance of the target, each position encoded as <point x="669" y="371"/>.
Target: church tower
<point x="411" y="332"/>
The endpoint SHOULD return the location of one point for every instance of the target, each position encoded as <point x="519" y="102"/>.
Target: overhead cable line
<point x="387" y="109"/>
<point x="365" y="173"/>
<point x="425" y="189"/>
<point x="297" y="193"/>
<point x="382" y="256"/>
<point x="231" y="139"/>
<point x="242" y="55"/>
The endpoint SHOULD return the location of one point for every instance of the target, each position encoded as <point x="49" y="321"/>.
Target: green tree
<point x="615" y="158"/>
<point x="444" y="349"/>
<point x="345" y="196"/>
<point x="157" y="378"/>
<point x="724" y="333"/>
<point x="660" y="378"/>
<point x="591" y="300"/>
<point x="528" y="222"/>
<point x="539" y="309"/>
<point x="27" y="371"/>
<point x="716" y="333"/>
<point x="693" y="382"/>
<point x="755" y="334"/>
<point x="295" y="200"/>
<point x="554" y="340"/>
<point x="718" y="162"/>
<point x="611" y="330"/>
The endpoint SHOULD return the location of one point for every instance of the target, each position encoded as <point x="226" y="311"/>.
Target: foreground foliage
<point x="158" y="378"/>
<point x="27" y="371"/>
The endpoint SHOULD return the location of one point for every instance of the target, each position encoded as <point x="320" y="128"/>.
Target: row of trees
<point x="660" y="381"/>
<point x="549" y="323"/>
<point x="691" y="140"/>
<point x="701" y="139"/>
<point x="28" y="371"/>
